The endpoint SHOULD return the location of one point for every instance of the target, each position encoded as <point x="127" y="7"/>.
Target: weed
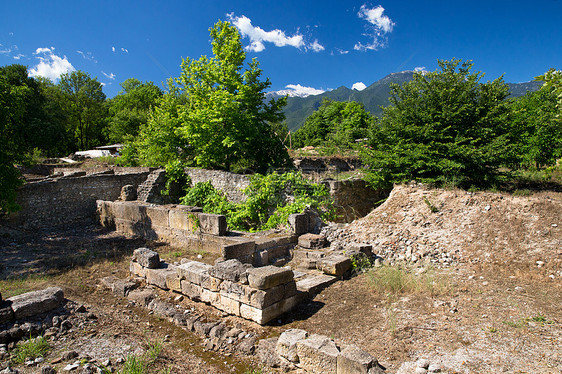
<point x="516" y="325"/>
<point x="361" y="263"/>
<point x="492" y="329"/>
<point x="254" y="371"/>
<point x="524" y="192"/>
<point x="32" y="348"/>
<point x="391" y="320"/>
<point x="135" y="364"/>
<point x="540" y="318"/>
<point x="16" y="286"/>
<point x="430" y="205"/>
<point x="396" y="280"/>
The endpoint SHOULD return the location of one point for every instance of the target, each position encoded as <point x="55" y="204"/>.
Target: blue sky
<point x="308" y="45"/>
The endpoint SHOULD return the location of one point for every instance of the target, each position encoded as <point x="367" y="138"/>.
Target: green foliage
<point x="553" y="79"/>
<point x="361" y="263"/>
<point x="130" y="108"/>
<point x="335" y="124"/>
<point x="84" y="103"/>
<point x="176" y="176"/>
<point x="214" y="114"/>
<point x="31" y="348"/>
<point x="535" y="127"/>
<point x="271" y="199"/>
<point x="441" y="125"/>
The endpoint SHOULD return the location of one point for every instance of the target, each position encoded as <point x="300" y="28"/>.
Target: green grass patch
<point x="30" y="349"/>
<point x="394" y="280"/>
<point x="19" y="285"/>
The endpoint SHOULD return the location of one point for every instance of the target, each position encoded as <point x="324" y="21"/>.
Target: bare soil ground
<point x="492" y="264"/>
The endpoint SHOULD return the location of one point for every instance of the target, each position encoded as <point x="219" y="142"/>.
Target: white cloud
<point x="124" y="50"/>
<point x="110" y="75"/>
<point x="113" y="49"/>
<point x="379" y="26"/>
<point x="303" y="91"/>
<point x="359" y="86"/>
<point x="258" y="37"/>
<point x="18" y="56"/>
<point x="88" y="56"/>
<point x="316" y="47"/>
<point x="50" y="65"/>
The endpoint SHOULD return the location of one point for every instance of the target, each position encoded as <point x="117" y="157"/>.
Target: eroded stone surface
<point x="36" y="302"/>
<point x="269" y="276"/>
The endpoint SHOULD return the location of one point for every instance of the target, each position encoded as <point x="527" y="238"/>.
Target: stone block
<point x="336" y="265"/>
<point x="141" y="297"/>
<point x="286" y="346"/>
<point x="213" y="224"/>
<point x="299" y="223"/>
<point x="157" y="216"/>
<point x="136" y="269"/>
<point x="231" y="270"/>
<point x="146" y="258"/>
<point x="317" y="354"/>
<point x="210" y="297"/>
<point x="314" y="284"/>
<point x="6" y="312"/>
<point x="354" y="360"/>
<point x="211" y="283"/>
<point x="229" y="305"/>
<point x="128" y="193"/>
<point x="262" y="316"/>
<point x="361" y="248"/>
<point x="120" y="287"/>
<point x="157" y="277"/>
<point x="191" y="290"/>
<point x="194" y="271"/>
<point x="242" y="251"/>
<point x="130" y="211"/>
<point x="179" y="219"/>
<point x="173" y="281"/>
<point x="312" y="241"/>
<point x="36" y="302"/>
<point x="264" y="298"/>
<point x="269" y="276"/>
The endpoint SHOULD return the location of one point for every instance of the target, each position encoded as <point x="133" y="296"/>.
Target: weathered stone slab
<point x="361" y="248"/>
<point x="179" y="219"/>
<point x="231" y="270"/>
<point x="36" y="302"/>
<point x="287" y="344"/>
<point x="229" y="305"/>
<point x="317" y="354"/>
<point x="6" y="312"/>
<point x="354" y="360"/>
<point x="157" y="216"/>
<point x="137" y="269"/>
<point x="128" y="193"/>
<point x="146" y="258"/>
<point x="314" y="284"/>
<point x="242" y="251"/>
<point x="209" y="297"/>
<point x="262" y="316"/>
<point x="191" y="290"/>
<point x="269" y="276"/>
<point x="157" y="277"/>
<point x="194" y="271"/>
<point x="263" y="298"/>
<point x="213" y="224"/>
<point x="173" y="281"/>
<point x="141" y="297"/>
<point x="298" y="223"/>
<point x="312" y="241"/>
<point x="120" y="287"/>
<point x="336" y="265"/>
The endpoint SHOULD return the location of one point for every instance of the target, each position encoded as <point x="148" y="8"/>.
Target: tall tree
<point x="129" y="109"/>
<point x="217" y="111"/>
<point x="85" y="106"/>
<point x="335" y="124"/>
<point x="443" y="125"/>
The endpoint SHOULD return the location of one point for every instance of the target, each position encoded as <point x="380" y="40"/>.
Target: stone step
<point x="314" y="283"/>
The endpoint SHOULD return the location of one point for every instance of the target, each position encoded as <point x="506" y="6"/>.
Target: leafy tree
<point x="13" y="111"/>
<point x="85" y="107"/>
<point x="214" y="114"/>
<point x="336" y="124"/>
<point x="534" y="124"/>
<point x="443" y="125"/>
<point x="129" y="109"/>
<point x="553" y="79"/>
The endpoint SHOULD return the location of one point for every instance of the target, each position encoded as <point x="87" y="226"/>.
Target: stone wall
<point x="258" y="294"/>
<point x="231" y="184"/>
<point x="188" y="226"/>
<point x="63" y="200"/>
<point x="353" y="198"/>
<point x="324" y="164"/>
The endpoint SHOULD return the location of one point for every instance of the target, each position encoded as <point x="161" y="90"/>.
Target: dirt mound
<point x="444" y="227"/>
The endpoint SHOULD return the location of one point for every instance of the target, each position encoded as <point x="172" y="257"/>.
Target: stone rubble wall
<point x="188" y="226"/>
<point x="229" y="183"/>
<point x="58" y="201"/>
<point x="257" y="294"/>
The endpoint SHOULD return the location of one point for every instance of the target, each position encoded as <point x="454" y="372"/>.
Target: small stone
<point x="420" y="370"/>
<point x="540" y="263"/>
<point x="422" y="363"/>
<point x="434" y="368"/>
<point x="71" y="367"/>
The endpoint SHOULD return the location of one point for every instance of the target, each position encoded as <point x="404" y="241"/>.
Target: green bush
<point x="271" y="199"/>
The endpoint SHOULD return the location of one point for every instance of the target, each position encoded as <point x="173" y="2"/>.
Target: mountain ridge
<point x="373" y="97"/>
